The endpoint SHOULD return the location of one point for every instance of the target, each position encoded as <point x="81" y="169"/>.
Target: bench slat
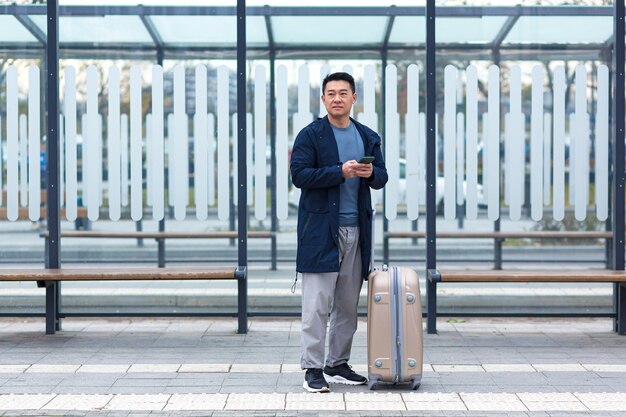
<point x="532" y="276"/>
<point x="160" y="235"/>
<point x="117" y="274"/>
<point x="537" y="234"/>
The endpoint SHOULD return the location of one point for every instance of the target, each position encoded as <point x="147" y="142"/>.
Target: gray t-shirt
<point x="350" y="146"/>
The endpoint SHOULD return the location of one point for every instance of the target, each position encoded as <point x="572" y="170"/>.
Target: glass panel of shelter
<point x="297" y="81"/>
<point x="22" y="156"/>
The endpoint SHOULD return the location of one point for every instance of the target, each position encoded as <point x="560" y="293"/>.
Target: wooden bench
<point x="592" y="276"/>
<point x="501" y="236"/>
<point x="160" y="237"/>
<point x="49" y="278"/>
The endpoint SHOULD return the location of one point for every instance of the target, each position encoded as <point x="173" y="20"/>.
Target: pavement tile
<point x="315" y="405"/>
<point x="13" y="369"/>
<point x="372" y="397"/>
<point x="375" y="406"/>
<point x="433" y="401"/>
<point x="78" y="402"/>
<point x="547" y="396"/>
<point x="140" y="382"/>
<point x="564" y="406"/>
<point x="551" y="401"/>
<point x="427" y="368"/>
<point x="508" y="367"/>
<point x="255" y="368"/>
<point x="248" y="401"/>
<point x="104" y="369"/>
<point x="153" y="367"/>
<point x="430" y="397"/>
<point x="558" y="367"/>
<point x="374" y="401"/>
<point x="244" y="389"/>
<point x="138" y="402"/>
<point x="188" y="402"/>
<point x="601" y="396"/>
<point x="603" y="368"/>
<point x="52" y="369"/>
<point x="435" y="406"/>
<point x="27" y="389"/>
<point x="605" y="406"/>
<point x="291" y="368"/>
<point x="310" y="396"/>
<point x="492" y="402"/>
<point x="457" y="368"/>
<point x="204" y="368"/>
<point x="24" y="401"/>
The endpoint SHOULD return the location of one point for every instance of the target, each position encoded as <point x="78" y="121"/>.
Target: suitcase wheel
<point x="415" y="383"/>
<point x="372" y="383"/>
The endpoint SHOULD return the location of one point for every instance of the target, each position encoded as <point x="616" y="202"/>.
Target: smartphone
<point x="366" y="160"/>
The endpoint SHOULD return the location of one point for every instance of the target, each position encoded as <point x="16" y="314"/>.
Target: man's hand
<point x="353" y="169"/>
<point x="364" y="170"/>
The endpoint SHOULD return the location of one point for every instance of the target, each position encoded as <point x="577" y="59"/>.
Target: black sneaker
<point x="314" y="381"/>
<point x="343" y="374"/>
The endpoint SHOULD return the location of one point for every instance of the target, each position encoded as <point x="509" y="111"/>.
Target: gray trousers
<point x="340" y="290"/>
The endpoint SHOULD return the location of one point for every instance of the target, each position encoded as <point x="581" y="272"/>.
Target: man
<point x="334" y="230"/>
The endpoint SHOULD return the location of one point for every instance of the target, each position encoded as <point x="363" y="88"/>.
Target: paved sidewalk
<point x="123" y="367"/>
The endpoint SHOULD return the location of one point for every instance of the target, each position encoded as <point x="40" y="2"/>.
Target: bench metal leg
<point x="58" y="306"/>
<point x="431" y="306"/>
<point x="497" y="254"/>
<point x="161" y="253"/>
<point x="52" y="307"/>
<point x="242" y="299"/>
<point x="161" y="245"/>
<point x="620" y="308"/>
<point x="139" y="228"/>
<point x="274" y="251"/>
<point x="497" y="248"/>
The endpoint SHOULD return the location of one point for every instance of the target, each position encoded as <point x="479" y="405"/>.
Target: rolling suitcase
<point x="394" y="327"/>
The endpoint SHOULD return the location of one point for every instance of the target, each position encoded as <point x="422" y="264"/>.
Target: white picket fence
<point x="136" y="144"/>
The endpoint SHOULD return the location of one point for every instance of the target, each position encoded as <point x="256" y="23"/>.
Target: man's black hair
<point x="339" y="76"/>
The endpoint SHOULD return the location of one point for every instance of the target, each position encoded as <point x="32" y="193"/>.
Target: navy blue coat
<point x="316" y="169"/>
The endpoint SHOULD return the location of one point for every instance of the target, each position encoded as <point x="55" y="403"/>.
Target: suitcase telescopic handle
<point x="373" y="240"/>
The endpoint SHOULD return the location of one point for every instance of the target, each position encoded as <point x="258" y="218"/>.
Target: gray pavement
<point x="120" y="367"/>
<point x="201" y="367"/>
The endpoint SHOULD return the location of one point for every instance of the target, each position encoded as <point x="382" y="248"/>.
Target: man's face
<point x="338" y="98"/>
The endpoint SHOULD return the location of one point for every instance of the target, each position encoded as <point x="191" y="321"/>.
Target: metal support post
<point x="431" y="206"/>
<point x="620" y="308"/>
<point x="233" y="192"/>
<point x="53" y="178"/>
<point x="274" y="250"/>
<point x="618" y="160"/>
<point x="242" y="201"/>
<point x="161" y="242"/>
<point x="432" y="277"/>
<point x="497" y="243"/>
<point x="52" y="307"/>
